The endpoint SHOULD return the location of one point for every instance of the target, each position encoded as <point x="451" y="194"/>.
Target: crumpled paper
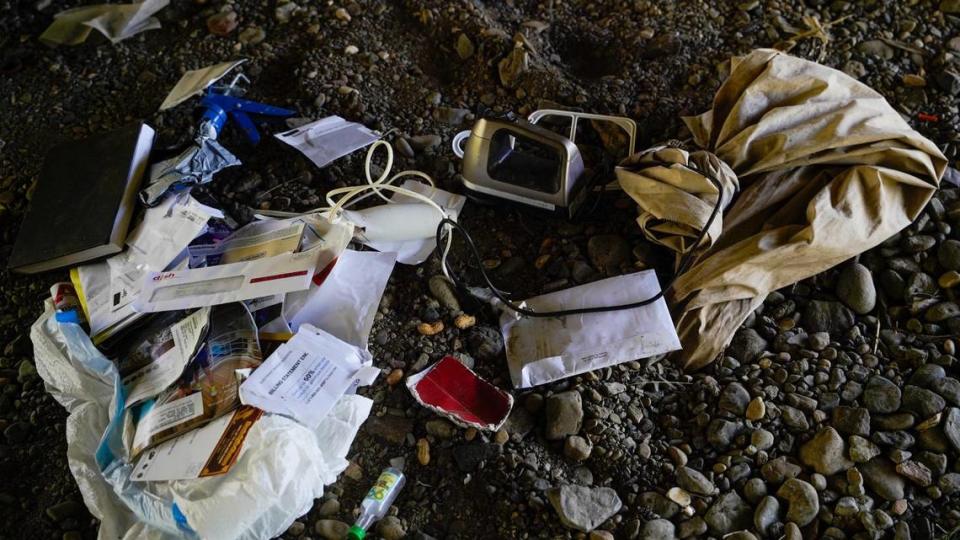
<point x="828" y="169"/>
<point x="115" y="21"/>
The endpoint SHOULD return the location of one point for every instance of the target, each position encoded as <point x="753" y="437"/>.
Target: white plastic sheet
<point x="282" y="469"/>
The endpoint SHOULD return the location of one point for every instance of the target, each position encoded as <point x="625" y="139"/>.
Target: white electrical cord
<point x="375" y="187"/>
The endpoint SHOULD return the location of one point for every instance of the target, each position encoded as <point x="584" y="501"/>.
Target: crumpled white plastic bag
<point x="283" y="467"/>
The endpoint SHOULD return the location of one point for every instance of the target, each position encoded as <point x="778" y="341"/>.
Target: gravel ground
<point x="834" y="412"/>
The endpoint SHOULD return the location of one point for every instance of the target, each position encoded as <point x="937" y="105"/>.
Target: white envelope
<point x="323" y="242"/>
<point x="347" y="301"/>
<point x="543" y="350"/>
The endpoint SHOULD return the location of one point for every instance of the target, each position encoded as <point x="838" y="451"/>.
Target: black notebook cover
<point x="83" y="201"/>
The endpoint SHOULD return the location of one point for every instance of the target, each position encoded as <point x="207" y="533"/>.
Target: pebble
<point x="762" y="439"/>
<point x="63" y="510"/>
<point x="658" y="529"/>
<point x="252" y="35"/>
<point x="694" y="481"/>
<point x="802" y="501"/>
<point x="951" y="427"/>
<point x="881" y="395"/>
<point x="222" y="23"/>
<point x="766" y="514"/>
<point x="851" y="420"/>
<point x="512" y="66"/>
<point x="564" y="414"/>
<point x="948" y="254"/>
<point x="390" y="528"/>
<point x="331" y="529"/>
<point x="679" y="496"/>
<point x="486" y="343"/>
<point x="862" y="450"/>
<point x="692" y="527"/>
<point x="342" y="14"/>
<point x="577" y="448"/>
<point x="756" y="409"/>
<point x="394" y="377"/>
<point x="921" y="402"/>
<point x="464" y="321"/>
<point x="825" y="316"/>
<point x="465" y="48"/>
<point x="734" y="399"/>
<point x="948" y="280"/>
<point x="876" y="48"/>
<point x="942" y="311"/>
<point x="747" y="345"/>
<point x="728" y="513"/>
<point x="441" y="289"/>
<point x="607" y="252"/>
<point x="855" y="288"/>
<point x="423" y="451"/>
<point x="430" y="329"/>
<point x="440" y="428"/>
<point x="881" y="476"/>
<point x="825" y="452"/>
<point x="584" y="508"/>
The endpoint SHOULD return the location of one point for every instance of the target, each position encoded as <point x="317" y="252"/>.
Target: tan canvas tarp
<point x="826" y="167"/>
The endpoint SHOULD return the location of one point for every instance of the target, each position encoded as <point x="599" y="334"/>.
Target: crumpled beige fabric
<point x="828" y="169"/>
<point x="677" y="198"/>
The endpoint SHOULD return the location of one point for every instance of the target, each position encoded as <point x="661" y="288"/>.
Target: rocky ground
<point x="835" y="413"/>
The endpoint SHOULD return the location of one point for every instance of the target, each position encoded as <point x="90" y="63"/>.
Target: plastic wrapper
<point x="281" y="469"/>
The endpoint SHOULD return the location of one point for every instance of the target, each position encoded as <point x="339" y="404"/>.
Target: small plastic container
<point x="377" y="502"/>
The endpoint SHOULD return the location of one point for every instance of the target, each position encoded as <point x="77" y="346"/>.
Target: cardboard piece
<point x="452" y="390"/>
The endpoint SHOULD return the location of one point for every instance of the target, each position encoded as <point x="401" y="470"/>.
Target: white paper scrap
<point x="194" y="82"/>
<point x="328" y="139"/>
<point x="543" y="350"/>
<point x="306" y="376"/>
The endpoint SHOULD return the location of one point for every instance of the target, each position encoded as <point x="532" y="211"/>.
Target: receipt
<point x="306" y="376"/>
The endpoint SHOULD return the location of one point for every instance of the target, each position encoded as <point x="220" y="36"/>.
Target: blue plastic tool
<point x="218" y="104"/>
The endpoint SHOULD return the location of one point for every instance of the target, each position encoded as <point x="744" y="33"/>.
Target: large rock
<point x="881" y="476"/>
<point x="584" y="508"/>
<point x="881" y="395"/>
<point x="855" y="288"/>
<point x="802" y="501"/>
<point x="564" y="415"/>
<point x="826" y="452"/>
<point x="729" y="513"/>
<point x="824" y="316"/>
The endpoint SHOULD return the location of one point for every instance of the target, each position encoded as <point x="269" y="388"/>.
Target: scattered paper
<point x="206" y="451"/>
<point x="454" y="391"/>
<point x="164" y="370"/>
<point x="115" y="21"/>
<point x="542" y="350"/>
<point x="154" y="245"/>
<point x="417" y="251"/>
<point x="328" y="139"/>
<point x="347" y="300"/>
<point x="194" y="82"/>
<point x="304" y="377"/>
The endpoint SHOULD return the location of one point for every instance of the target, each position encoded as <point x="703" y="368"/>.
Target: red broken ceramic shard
<point x="452" y="390"/>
